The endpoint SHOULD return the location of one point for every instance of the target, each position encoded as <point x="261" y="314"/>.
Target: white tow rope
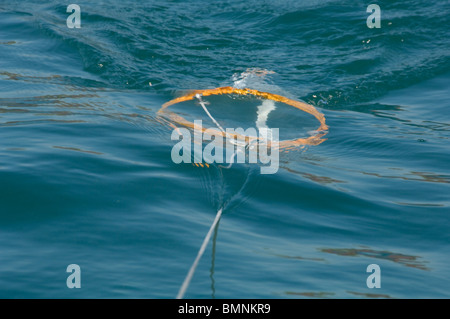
<point x="203" y="104"/>
<point x="191" y="272"/>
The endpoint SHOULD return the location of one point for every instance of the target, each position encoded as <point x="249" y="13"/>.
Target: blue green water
<point x="86" y="175"/>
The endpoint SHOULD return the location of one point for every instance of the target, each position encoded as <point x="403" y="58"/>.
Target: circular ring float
<point x="283" y="144"/>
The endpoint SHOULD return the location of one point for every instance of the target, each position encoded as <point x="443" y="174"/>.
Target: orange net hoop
<point x="283" y="144"/>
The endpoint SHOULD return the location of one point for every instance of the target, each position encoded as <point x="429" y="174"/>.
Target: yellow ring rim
<point x="312" y="140"/>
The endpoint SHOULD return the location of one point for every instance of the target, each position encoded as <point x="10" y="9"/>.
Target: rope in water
<point x="203" y="104"/>
<point x="191" y="272"/>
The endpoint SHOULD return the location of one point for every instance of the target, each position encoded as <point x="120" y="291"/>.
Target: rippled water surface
<point x="85" y="158"/>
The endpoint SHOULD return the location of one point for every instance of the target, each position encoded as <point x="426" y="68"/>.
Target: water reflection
<point x="323" y="180"/>
<point x="369" y="295"/>
<point x="311" y="294"/>
<point x="77" y="150"/>
<point x="324" y="294"/>
<point x="417" y="176"/>
<point x="405" y="260"/>
<point x="299" y="257"/>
